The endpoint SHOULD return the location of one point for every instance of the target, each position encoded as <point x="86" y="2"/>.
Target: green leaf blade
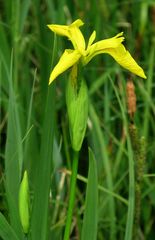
<point x="6" y="231"/>
<point x="39" y="225"/>
<point x="89" y="229"/>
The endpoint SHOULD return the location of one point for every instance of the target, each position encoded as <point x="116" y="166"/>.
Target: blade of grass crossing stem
<point x="39" y="221"/>
<point x="6" y="231"/>
<point x="107" y="167"/>
<point x="102" y="189"/>
<point x="13" y="158"/>
<point x="131" y="201"/>
<point x="89" y="228"/>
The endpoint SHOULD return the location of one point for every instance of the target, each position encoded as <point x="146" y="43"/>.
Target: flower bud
<point x="77" y="106"/>
<point x="24" y="203"/>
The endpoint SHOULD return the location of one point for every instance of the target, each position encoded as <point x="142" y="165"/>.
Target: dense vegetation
<point x="35" y="131"/>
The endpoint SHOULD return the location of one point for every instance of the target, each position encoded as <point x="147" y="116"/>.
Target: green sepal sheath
<point x="77" y="107"/>
<point x="24" y="203"/>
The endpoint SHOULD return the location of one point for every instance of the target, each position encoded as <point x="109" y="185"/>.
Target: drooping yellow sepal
<point x="115" y="48"/>
<point x="67" y="60"/>
<point x="124" y="58"/>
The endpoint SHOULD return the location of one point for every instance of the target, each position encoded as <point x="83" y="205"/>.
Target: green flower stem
<point x="72" y="196"/>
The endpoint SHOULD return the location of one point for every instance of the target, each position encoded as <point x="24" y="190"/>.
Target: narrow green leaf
<point x="6" y="231"/>
<point x="89" y="228"/>
<point x="13" y="155"/>
<point x="39" y="223"/>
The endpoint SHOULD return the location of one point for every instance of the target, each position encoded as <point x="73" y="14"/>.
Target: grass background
<point x="34" y="123"/>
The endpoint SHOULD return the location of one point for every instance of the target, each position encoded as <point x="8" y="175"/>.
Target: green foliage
<point x="6" y="231"/>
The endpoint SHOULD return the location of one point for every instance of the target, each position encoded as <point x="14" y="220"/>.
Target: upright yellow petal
<point x="77" y="23"/>
<point x="73" y="33"/>
<point x="76" y="36"/>
<point x="124" y="58"/>
<point x="91" y="39"/>
<point x="67" y="60"/>
<point x="77" y="39"/>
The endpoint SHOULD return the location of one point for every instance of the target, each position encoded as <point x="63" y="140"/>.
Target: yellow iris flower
<point x="112" y="46"/>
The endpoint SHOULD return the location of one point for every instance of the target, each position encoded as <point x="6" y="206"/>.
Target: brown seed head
<point x="131" y="98"/>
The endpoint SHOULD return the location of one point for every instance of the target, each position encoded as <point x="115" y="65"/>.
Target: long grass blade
<point x="39" y="224"/>
<point x="6" y="231"/>
<point x="89" y="228"/>
<point x="13" y="158"/>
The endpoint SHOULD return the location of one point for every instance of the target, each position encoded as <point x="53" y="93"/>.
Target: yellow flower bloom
<point x="112" y="46"/>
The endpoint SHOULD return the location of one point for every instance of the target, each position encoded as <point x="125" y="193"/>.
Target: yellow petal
<point x="124" y="58"/>
<point x="77" y="39"/>
<point x="73" y="33"/>
<point x="63" y="30"/>
<point x="76" y="36"/>
<point x="59" y="29"/>
<point x="115" y="48"/>
<point x="77" y="23"/>
<point x="67" y="60"/>
<point x="92" y="38"/>
<point x="100" y="46"/>
<point x="110" y="42"/>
